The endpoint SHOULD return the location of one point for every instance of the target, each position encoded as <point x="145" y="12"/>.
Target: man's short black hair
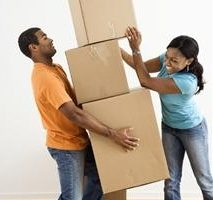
<point x="26" y="38"/>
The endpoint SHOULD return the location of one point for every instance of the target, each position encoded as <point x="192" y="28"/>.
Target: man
<point x="65" y="122"/>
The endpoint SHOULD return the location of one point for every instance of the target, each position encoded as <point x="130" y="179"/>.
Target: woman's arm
<point x="161" y="85"/>
<point x="127" y="58"/>
<point x="152" y="65"/>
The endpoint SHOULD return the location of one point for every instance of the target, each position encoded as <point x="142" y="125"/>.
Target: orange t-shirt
<point x="52" y="89"/>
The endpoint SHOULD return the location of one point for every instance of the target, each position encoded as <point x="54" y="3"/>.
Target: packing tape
<point x="93" y="51"/>
<point x="95" y="54"/>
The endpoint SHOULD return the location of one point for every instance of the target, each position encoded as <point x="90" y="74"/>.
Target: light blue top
<point x="180" y="110"/>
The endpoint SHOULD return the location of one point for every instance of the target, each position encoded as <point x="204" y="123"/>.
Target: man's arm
<point x="84" y="120"/>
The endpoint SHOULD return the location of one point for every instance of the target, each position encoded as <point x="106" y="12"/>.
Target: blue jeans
<point x="73" y="167"/>
<point x="92" y="185"/>
<point x="194" y="142"/>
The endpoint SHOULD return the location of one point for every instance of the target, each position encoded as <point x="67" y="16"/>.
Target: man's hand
<point x="123" y="137"/>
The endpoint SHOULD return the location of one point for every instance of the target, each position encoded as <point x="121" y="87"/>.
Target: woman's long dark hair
<point x="189" y="48"/>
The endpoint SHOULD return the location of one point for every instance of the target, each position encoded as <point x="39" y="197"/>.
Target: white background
<point x="26" y="169"/>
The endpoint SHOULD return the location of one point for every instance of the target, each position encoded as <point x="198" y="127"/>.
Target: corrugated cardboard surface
<point x="118" y="195"/>
<point x="117" y="168"/>
<point x="78" y="22"/>
<point x="99" y="20"/>
<point x="97" y="71"/>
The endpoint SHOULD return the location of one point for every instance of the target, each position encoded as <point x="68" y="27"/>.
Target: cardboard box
<point x="99" y="20"/>
<point x="97" y="71"/>
<point x="118" y="195"/>
<point x="117" y="168"/>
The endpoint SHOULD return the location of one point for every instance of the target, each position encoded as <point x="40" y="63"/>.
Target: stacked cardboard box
<point x="100" y="20"/>
<point x="118" y="169"/>
<point x="100" y="84"/>
<point x="118" y="195"/>
<point x="97" y="71"/>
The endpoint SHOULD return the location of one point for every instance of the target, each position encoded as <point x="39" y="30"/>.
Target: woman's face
<point x="175" y="61"/>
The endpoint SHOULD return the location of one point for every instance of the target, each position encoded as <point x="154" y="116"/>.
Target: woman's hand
<point x="134" y="37"/>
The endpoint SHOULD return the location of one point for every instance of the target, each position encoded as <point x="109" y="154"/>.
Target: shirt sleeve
<point x="54" y="91"/>
<point x="187" y="83"/>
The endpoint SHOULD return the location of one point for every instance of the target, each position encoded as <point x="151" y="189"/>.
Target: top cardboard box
<point x="99" y="20"/>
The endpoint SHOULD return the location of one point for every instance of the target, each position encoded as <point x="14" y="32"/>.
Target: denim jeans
<point x="92" y="185"/>
<point x="194" y="142"/>
<point x="73" y="167"/>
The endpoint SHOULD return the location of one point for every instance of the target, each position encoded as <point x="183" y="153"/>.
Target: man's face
<point x="45" y="46"/>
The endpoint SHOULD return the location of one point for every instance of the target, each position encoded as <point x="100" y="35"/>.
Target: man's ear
<point x="32" y="47"/>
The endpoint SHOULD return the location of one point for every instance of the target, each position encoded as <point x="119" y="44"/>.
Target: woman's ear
<point x="189" y="61"/>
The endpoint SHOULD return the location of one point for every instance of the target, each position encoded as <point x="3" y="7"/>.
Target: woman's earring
<point x="187" y="68"/>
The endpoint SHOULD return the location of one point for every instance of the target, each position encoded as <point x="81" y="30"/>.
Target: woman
<point x="183" y="127"/>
